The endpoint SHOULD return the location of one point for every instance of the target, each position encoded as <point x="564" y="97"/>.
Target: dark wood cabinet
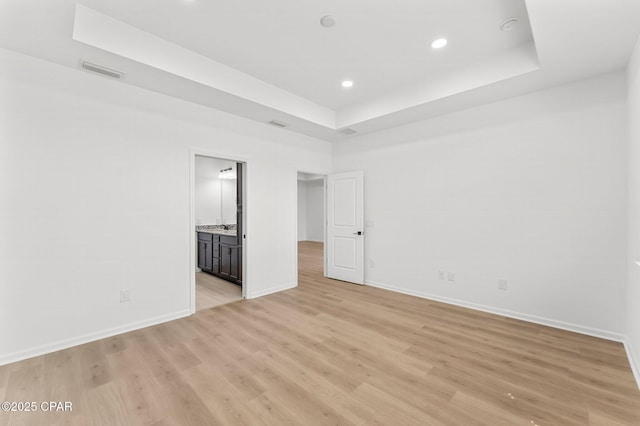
<point x="215" y="254"/>
<point x="205" y="255"/>
<point x="205" y="251"/>
<point x="220" y="255"/>
<point x="225" y="262"/>
<point x="230" y="258"/>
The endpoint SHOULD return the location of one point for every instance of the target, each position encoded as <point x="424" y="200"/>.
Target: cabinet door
<point x="205" y="255"/>
<point x="235" y="264"/>
<point x="201" y="254"/>
<point x="239" y="273"/>
<point x="225" y="261"/>
<point x="208" y="260"/>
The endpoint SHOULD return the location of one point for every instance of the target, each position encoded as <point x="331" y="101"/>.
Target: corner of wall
<point x="632" y="332"/>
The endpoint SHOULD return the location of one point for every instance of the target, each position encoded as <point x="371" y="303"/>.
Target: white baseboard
<point x="90" y="337"/>
<point x="271" y="290"/>
<point x="632" y="360"/>
<point x="590" y="331"/>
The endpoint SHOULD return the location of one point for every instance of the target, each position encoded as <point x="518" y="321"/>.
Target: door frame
<point x="193" y="255"/>
<point x="324" y="218"/>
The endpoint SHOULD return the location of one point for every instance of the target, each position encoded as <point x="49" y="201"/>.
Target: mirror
<point x="215" y="191"/>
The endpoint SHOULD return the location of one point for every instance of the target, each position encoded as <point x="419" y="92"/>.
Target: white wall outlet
<point x="441" y="275"/>
<point x="503" y="285"/>
<point x="451" y="276"/>
<point x="125" y="296"/>
<point x="371" y="263"/>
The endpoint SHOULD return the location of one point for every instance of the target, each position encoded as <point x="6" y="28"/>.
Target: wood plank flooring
<point x="329" y="352"/>
<point x="212" y="291"/>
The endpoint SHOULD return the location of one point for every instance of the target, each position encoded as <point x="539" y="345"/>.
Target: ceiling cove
<point x="333" y="66"/>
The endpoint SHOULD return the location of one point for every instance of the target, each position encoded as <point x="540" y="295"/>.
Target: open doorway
<point x="311" y="225"/>
<point x="217" y="218"/>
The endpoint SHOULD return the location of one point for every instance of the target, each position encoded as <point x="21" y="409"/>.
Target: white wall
<point x="302" y="210"/>
<point x="310" y="207"/>
<point x="530" y="189"/>
<point x="633" y="270"/>
<point x="315" y="210"/>
<point x="94" y="198"/>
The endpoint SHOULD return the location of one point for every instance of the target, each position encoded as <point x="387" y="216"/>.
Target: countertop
<point x="216" y="229"/>
<point x="219" y="231"/>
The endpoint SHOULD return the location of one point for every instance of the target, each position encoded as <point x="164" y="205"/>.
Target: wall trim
<point x="272" y="290"/>
<point x="628" y="347"/>
<point x="90" y="337"/>
<point x="576" y="328"/>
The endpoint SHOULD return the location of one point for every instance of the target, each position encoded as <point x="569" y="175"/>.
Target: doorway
<point x="311" y="220"/>
<point x="217" y="227"/>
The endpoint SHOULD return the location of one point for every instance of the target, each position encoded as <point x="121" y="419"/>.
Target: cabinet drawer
<point x="231" y="240"/>
<point x="205" y="236"/>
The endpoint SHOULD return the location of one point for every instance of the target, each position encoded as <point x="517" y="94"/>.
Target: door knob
<point x="357" y="233"/>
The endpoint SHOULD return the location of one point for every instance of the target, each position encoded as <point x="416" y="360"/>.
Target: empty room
<point x="218" y="212"/>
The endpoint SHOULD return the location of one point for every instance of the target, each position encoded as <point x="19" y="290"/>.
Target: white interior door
<point x="345" y="217"/>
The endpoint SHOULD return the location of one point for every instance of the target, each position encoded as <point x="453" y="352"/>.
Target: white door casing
<point x="345" y="236"/>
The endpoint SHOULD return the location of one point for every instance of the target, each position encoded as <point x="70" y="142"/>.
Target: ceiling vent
<point x="102" y="70"/>
<point x="348" y="131"/>
<point x="278" y="123"/>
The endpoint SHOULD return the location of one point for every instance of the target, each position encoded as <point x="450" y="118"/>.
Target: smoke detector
<point x="327" y="21"/>
<point x="508" y="24"/>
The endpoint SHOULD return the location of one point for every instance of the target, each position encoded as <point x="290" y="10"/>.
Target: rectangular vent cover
<point x="348" y="131"/>
<point x="278" y="123"/>
<point x="102" y="70"/>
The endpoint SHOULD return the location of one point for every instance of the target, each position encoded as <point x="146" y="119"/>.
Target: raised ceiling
<point x="274" y="61"/>
<point x="380" y="48"/>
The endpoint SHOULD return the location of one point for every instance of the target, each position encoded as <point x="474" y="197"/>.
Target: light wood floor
<point x="329" y="352"/>
<point x="212" y="291"/>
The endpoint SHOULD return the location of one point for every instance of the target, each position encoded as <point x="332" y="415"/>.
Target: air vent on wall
<point x="348" y="131"/>
<point x="278" y="123"/>
<point x="102" y="70"/>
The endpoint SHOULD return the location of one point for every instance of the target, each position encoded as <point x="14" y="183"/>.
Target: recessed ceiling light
<point x="347" y="83"/>
<point x="439" y="43"/>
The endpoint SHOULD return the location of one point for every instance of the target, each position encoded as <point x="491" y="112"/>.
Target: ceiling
<point x="274" y="61"/>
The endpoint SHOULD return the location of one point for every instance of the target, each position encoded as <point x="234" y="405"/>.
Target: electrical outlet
<point x="503" y="285"/>
<point x="371" y="264"/>
<point x="451" y="276"/>
<point x="441" y="275"/>
<point x="125" y="296"/>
